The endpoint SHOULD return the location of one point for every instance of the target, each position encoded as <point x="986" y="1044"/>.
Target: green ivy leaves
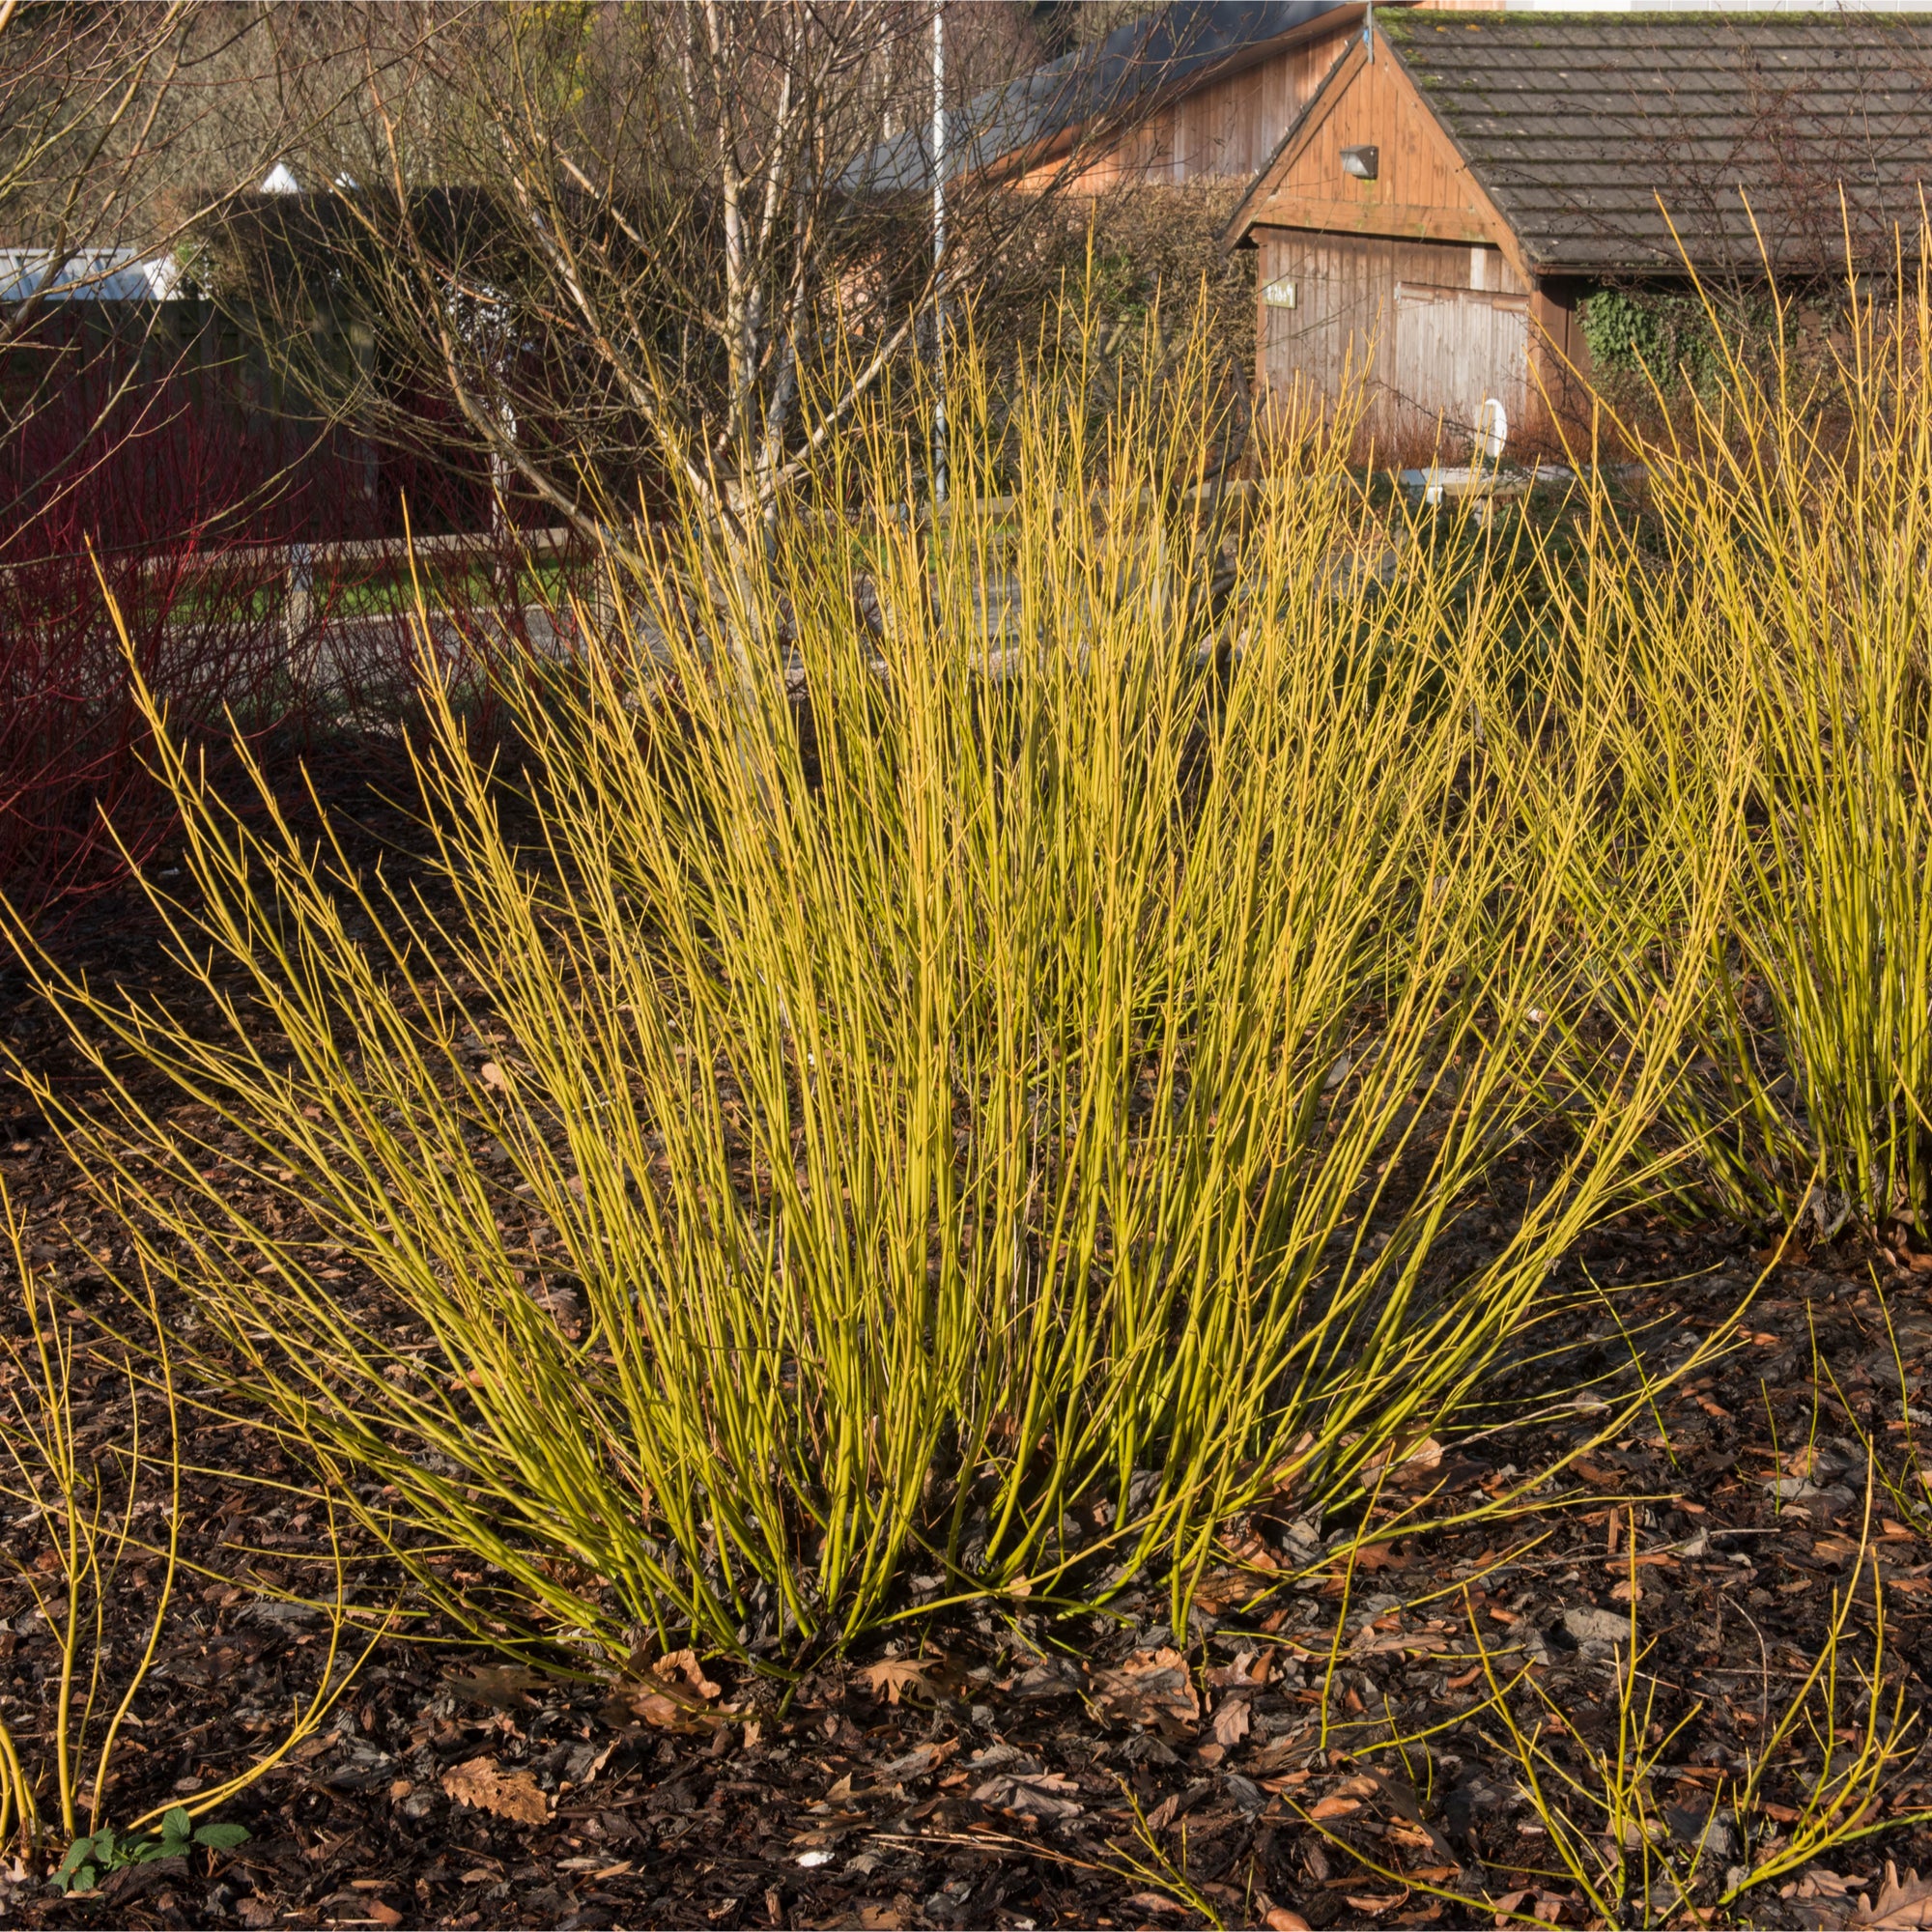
<point x="1674" y="338"/>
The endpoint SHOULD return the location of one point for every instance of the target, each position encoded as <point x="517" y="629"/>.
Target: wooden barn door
<point x="1453" y="348"/>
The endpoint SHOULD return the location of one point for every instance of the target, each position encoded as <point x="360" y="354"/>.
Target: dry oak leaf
<point x="1902" y="1906"/>
<point x="675" y="1694"/>
<point x="510" y="1794"/>
<point x="1152" y="1687"/>
<point x="897" y="1675"/>
<point x="684" y="1664"/>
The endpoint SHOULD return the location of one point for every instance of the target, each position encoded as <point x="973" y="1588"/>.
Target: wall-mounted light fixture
<point x="1361" y="162"/>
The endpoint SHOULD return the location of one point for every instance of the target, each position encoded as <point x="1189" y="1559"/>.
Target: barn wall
<point x="1226" y="130"/>
<point x="1232" y="127"/>
<point x="1433" y="328"/>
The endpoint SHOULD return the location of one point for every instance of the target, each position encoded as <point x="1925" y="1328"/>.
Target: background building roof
<point x="89" y="274"/>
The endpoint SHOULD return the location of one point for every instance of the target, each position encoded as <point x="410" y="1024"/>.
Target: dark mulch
<point x="1003" y="1768"/>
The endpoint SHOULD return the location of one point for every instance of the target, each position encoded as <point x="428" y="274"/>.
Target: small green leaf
<point x="176" y="1823"/>
<point x="223" y="1838"/>
<point x="74" y="1876"/>
<point x="78" y="1854"/>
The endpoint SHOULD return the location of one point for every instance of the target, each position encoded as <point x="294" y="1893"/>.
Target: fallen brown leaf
<point x="1153" y="1688"/>
<point x="1418" y="1454"/>
<point x="1230" y="1721"/>
<point x="921" y="1761"/>
<point x="1030" y="1793"/>
<point x="683" y="1664"/>
<point x="897" y="1675"/>
<point x="1333" y="1808"/>
<point x="1903" y="1905"/>
<point x="1252" y="1553"/>
<point x="483" y="1782"/>
<point x="672" y="1694"/>
<point x="502" y="1687"/>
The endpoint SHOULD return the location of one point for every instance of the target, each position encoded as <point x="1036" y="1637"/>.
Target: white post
<point x="939" y="248"/>
<point x="297" y="605"/>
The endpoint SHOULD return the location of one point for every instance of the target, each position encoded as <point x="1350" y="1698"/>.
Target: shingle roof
<point x="1577" y="124"/>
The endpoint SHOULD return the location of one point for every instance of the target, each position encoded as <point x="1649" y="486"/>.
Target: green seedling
<point x="90" y="1857"/>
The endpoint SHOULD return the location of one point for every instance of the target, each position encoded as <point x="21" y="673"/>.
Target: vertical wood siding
<point x="1225" y="129"/>
<point x="1433" y="329"/>
<point x="1231" y="127"/>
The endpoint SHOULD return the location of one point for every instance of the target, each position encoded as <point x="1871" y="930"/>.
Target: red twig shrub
<point x="144" y="499"/>
<point x="170" y="501"/>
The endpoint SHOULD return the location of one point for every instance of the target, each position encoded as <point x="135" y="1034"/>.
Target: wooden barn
<point x="1194" y="90"/>
<point x="1459" y="182"/>
<point x="1199" y="88"/>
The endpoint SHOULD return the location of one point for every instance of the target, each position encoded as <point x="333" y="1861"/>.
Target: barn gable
<point x="1421" y="189"/>
<point x="1383" y="258"/>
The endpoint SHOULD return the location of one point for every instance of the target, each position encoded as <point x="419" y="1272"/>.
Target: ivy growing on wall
<point x="1666" y="336"/>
